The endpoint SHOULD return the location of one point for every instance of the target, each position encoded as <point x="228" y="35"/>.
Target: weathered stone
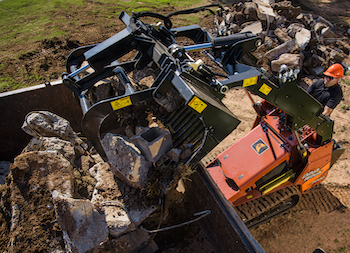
<point x="328" y="33"/>
<point x="83" y="226"/>
<point x="234" y="28"/>
<point x="317" y="70"/>
<point x="265" y="10"/>
<point x="250" y="10"/>
<point x="117" y="219"/>
<point x="294" y="28"/>
<point x="174" y="154"/>
<point x="281" y="49"/>
<point x="268" y="42"/>
<point x="107" y="189"/>
<point x="171" y="101"/>
<point x="302" y="38"/>
<point x="153" y="142"/>
<point x="239" y="18"/>
<point x="336" y="55"/>
<point x="48" y="167"/>
<point x="4" y="171"/>
<point x="47" y="124"/>
<point x="126" y="160"/>
<point x="65" y="148"/>
<point x="282" y="35"/>
<point x="102" y="89"/>
<point x="255" y="28"/>
<point x="136" y="241"/>
<point x="286" y="9"/>
<point x="290" y="60"/>
<point x="280" y="21"/>
<point x="230" y="17"/>
<point x="319" y="26"/>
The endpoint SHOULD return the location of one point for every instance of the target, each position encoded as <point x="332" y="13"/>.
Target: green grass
<point x="26" y="21"/>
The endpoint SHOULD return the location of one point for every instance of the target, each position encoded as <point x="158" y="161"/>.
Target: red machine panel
<point x="253" y="156"/>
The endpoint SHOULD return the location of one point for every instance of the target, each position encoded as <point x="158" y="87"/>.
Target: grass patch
<point x="7" y="83"/>
<point x="27" y="21"/>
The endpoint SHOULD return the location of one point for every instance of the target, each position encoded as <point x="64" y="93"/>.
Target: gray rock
<point x="255" y="28"/>
<point x="48" y="167"/>
<point x="83" y="226"/>
<point x="282" y="35"/>
<point x="268" y="43"/>
<point x="174" y="154"/>
<point x="336" y="55"/>
<point x="281" y="49"/>
<point x="102" y="89"/>
<point x="65" y="148"/>
<point x="302" y="38"/>
<point x="294" y="28"/>
<point x="126" y="160"/>
<point x="318" y="70"/>
<point x="251" y="10"/>
<point x="47" y="124"/>
<point x="107" y="189"/>
<point x="290" y="60"/>
<point x="117" y="218"/>
<point x="265" y="10"/>
<point x="319" y="26"/>
<point x="230" y="18"/>
<point x="171" y="100"/>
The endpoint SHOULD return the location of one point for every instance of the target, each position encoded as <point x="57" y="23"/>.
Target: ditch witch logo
<point x="260" y="147"/>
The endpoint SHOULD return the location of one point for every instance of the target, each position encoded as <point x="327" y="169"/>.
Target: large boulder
<point x="126" y="160"/>
<point x="123" y="214"/>
<point x="290" y="60"/>
<point x="281" y="49"/>
<point x="83" y="225"/>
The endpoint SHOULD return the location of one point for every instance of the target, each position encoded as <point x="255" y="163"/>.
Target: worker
<point x="327" y="90"/>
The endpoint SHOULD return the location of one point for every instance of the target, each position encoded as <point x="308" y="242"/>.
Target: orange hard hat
<point x="336" y="70"/>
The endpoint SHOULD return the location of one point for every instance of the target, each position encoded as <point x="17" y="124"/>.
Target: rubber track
<point x="257" y="207"/>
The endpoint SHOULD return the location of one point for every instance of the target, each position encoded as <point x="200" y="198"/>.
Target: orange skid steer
<point x="288" y="151"/>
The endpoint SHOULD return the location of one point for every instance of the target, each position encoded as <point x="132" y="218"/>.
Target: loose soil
<point x="322" y="217"/>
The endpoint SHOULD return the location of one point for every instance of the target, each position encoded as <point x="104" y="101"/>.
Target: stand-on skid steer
<point x="289" y="149"/>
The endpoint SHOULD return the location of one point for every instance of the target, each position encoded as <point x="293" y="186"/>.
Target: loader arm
<point x="194" y="121"/>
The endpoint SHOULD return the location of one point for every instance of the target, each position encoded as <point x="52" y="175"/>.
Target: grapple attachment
<point x="185" y="97"/>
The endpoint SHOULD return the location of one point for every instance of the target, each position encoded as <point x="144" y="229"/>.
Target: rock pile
<point x="303" y="40"/>
<point x="65" y="198"/>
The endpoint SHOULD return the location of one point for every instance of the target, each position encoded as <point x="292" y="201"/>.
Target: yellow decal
<point x="197" y="104"/>
<point x="249" y="196"/>
<point x="265" y="89"/>
<point x="250" y="81"/>
<point x="121" y="103"/>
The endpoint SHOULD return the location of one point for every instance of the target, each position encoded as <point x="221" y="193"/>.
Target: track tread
<point x="254" y="208"/>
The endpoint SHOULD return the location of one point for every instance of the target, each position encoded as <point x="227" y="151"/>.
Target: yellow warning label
<point x="250" y="81"/>
<point x="265" y="89"/>
<point x="121" y="103"/>
<point x="197" y="104"/>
